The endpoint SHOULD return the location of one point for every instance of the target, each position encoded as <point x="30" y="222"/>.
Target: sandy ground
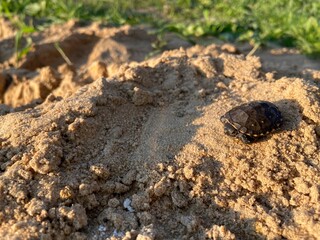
<point x="119" y="147"/>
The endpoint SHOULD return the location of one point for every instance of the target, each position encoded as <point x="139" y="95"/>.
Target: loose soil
<point x="122" y="145"/>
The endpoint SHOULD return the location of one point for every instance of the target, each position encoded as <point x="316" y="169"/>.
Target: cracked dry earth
<point x="118" y="147"/>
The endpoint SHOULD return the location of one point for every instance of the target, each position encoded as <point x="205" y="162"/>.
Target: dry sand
<point x="115" y="147"/>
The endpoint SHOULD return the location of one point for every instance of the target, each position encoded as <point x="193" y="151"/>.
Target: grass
<point x="292" y="23"/>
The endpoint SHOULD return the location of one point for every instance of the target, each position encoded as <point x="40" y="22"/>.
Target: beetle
<point x="251" y="121"/>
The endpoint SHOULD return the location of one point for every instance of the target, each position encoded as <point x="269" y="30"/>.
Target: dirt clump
<point x="140" y="152"/>
<point x="76" y="55"/>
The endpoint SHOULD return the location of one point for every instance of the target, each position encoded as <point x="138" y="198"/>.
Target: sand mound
<point x="140" y="153"/>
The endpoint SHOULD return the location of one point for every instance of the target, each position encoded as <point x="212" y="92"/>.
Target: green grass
<point x="292" y="23"/>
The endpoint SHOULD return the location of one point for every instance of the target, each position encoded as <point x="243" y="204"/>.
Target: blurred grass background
<point x="291" y="23"/>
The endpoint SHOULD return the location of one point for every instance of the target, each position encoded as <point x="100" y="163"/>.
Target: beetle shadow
<point x="291" y="112"/>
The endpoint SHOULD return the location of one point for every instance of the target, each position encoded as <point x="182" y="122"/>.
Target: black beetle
<point x="251" y="121"/>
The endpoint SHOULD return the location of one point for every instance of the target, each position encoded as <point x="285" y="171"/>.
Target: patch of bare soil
<point x="118" y="147"/>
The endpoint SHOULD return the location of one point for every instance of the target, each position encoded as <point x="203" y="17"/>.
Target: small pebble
<point x="127" y="205"/>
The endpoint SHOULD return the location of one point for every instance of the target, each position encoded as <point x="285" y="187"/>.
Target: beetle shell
<point x="254" y="119"/>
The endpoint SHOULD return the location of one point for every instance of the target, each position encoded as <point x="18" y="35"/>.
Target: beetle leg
<point x="245" y="138"/>
<point x="230" y="130"/>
